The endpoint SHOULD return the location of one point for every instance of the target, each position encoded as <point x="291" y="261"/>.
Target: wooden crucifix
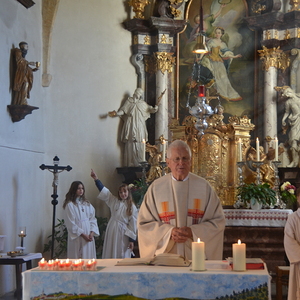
<point x="55" y="169"/>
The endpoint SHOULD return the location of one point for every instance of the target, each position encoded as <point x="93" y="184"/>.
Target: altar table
<point x="146" y="282"/>
<point x="18" y="261"/>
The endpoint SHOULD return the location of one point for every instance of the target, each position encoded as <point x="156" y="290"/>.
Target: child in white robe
<point x="81" y="223"/>
<point x="121" y="229"/>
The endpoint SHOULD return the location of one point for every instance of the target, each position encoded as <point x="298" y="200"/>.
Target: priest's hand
<point x="181" y="235"/>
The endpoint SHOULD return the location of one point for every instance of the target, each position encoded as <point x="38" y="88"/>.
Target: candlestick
<point x="276" y="149"/>
<point x="144" y="150"/>
<point x="240" y="158"/>
<point x="257" y="150"/>
<point x="163" y="159"/>
<point x="239" y="256"/>
<point x="198" y="256"/>
<point x="22" y="234"/>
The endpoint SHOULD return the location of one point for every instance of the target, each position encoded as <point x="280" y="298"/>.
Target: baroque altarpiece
<point x="263" y="37"/>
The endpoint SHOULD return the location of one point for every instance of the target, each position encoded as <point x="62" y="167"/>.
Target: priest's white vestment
<point x="80" y="218"/>
<point x="292" y="249"/>
<point x="169" y="203"/>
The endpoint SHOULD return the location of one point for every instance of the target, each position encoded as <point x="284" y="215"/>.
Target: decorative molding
<point x="26" y="3"/>
<point x="165" y="61"/>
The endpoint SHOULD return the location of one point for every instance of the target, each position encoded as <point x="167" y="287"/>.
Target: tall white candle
<point x="239" y="256"/>
<point x="257" y="150"/>
<point x="144" y="150"/>
<point x="276" y="149"/>
<point x="240" y="158"/>
<point x="163" y="159"/>
<point x="198" y="256"/>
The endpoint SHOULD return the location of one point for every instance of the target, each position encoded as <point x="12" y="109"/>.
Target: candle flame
<point x="67" y="260"/>
<point x="144" y="141"/>
<point x="42" y="260"/>
<point x="198" y="240"/>
<point x="239" y="242"/>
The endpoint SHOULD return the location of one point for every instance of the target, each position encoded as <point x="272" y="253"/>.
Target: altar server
<point x="179" y="208"/>
<point x="121" y="229"/>
<point x="292" y="249"/>
<point x="81" y="223"/>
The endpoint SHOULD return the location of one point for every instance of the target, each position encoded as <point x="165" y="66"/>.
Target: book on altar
<point x="251" y="263"/>
<point x="163" y="259"/>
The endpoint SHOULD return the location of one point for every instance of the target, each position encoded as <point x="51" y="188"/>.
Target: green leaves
<point x="261" y="193"/>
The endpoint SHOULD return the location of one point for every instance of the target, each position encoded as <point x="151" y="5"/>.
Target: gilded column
<point x="273" y="59"/>
<point x="165" y="63"/>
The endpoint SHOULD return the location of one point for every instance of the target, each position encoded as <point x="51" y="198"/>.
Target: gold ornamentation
<point x="135" y="40"/>
<point x="165" y="61"/>
<point x="276" y="34"/>
<point x="147" y="40"/>
<point x="294" y="5"/>
<point x="138" y="7"/>
<point x="287" y="35"/>
<point x="163" y="39"/>
<point x="268" y="35"/>
<point x="298" y="33"/>
<point x="256" y="7"/>
<point x="273" y="57"/>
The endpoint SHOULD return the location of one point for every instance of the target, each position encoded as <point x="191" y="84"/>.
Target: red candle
<point x="61" y="265"/>
<point x="43" y="264"/>
<point x="77" y="265"/>
<point x="90" y="265"/>
<point x="68" y="264"/>
<point x="50" y="265"/>
<point x="201" y="91"/>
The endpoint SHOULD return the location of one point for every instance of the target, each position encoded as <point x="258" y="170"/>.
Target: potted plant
<point x="257" y="195"/>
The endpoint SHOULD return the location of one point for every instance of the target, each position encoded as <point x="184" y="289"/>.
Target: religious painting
<point x="227" y="70"/>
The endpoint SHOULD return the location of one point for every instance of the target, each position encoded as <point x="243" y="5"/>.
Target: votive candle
<point x="239" y="256"/>
<point x="90" y="265"/>
<point x="68" y="264"/>
<point x="43" y="264"/>
<point x="50" y="265"/>
<point x="61" y="265"/>
<point x="198" y="256"/>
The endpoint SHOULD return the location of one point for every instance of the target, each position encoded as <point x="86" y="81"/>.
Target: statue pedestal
<point x="19" y="112"/>
<point x="131" y="173"/>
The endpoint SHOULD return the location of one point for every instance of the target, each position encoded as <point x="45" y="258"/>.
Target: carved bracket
<point x="19" y="112"/>
<point x="26" y="3"/>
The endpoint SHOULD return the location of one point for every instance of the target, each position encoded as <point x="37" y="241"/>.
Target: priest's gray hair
<point x="178" y="144"/>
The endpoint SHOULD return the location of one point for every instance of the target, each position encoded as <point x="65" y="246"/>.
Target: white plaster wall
<point x="91" y="70"/>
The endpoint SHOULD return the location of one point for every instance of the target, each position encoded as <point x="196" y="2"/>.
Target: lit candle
<point x="240" y="158"/>
<point x="50" y="265"/>
<point x="257" y="150"/>
<point x="276" y="149"/>
<point x="239" y="256"/>
<point x="144" y="150"/>
<point x="163" y="159"/>
<point x="68" y="264"/>
<point x="198" y="256"/>
<point x="77" y="265"/>
<point x="90" y="265"/>
<point x="43" y="264"/>
<point x="61" y="265"/>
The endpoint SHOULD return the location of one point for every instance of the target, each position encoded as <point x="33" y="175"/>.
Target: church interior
<point x="239" y="115"/>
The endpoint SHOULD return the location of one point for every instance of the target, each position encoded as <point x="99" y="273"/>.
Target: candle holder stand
<point x="258" y="165"/>
<point x="279" y="202"/>
<point x="144" y="166"/>
<point x="22" y="235"/>
<point x="240" y="165"/>
<point x="163" y="165"/>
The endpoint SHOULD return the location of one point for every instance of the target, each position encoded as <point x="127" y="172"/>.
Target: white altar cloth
<point x="146" y="282"/>
<point x="262" y="217"/>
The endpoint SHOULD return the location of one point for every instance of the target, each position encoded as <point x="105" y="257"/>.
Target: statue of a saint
<point x="23" y="76"/>
<point x="134" y="113"/>
<point x="291" y="117"/>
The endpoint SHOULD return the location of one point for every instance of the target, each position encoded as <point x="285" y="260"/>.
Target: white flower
<point x="291" y="191"/>
<point x="284" y="185"/>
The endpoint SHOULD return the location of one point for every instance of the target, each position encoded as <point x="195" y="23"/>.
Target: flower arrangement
<point x="138" y="190"/>
<point x="287" y="193"/>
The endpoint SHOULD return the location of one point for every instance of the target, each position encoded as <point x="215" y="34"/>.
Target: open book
<point x="163" y="259"/>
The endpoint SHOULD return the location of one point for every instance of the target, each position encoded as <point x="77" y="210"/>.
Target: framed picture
<point x="227" y="70"/>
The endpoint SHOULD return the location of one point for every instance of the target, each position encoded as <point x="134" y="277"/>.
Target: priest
<point x="179" y="208"/>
